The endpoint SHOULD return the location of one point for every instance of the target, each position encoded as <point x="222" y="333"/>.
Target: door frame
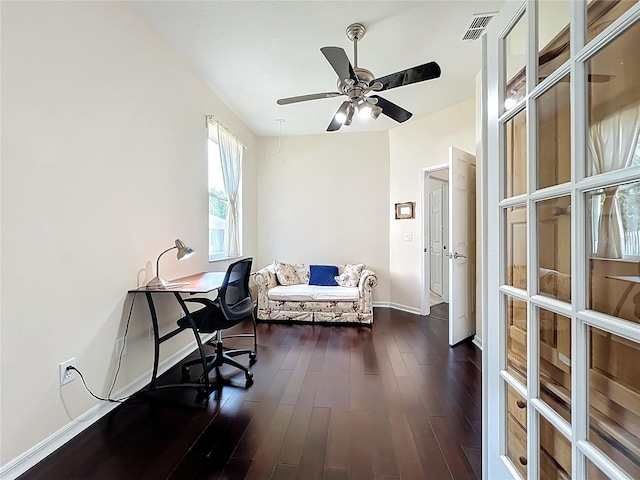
<point x="425" y="275"/>
<point x="494" y="465"/>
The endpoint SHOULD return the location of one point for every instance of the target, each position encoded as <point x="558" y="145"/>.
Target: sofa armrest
<point x="265" y="278"/>
<point x="368" y="280"/>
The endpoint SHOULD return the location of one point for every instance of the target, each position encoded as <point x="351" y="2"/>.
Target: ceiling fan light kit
<point x="357" y="83"/>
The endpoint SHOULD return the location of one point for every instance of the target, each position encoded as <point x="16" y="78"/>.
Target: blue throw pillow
<point x="323" y="275"/>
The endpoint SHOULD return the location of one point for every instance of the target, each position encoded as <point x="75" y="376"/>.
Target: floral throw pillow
<point x="286" y="274"/>
<point x="350" y="275"/>
<point x="302" y="271"/>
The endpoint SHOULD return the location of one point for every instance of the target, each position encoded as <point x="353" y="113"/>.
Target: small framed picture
<point x="405" y="210"/>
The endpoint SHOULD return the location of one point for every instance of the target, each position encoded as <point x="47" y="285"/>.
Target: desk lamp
<point x="183" y="252"/>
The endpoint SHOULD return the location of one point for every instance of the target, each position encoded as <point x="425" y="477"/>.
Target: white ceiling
<point x="251" y="53"/>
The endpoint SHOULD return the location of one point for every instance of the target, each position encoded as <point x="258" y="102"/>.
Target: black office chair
<point x="233" y="305"/>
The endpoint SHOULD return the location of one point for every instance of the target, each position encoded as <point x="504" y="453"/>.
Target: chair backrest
<point x="234" y="294"/>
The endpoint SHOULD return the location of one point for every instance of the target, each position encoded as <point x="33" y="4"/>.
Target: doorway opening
<point x="448" y="244"/>
<point x="437" y="183"/>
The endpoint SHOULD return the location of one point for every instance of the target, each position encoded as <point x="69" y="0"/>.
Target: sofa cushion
<point x="291" y="293"/>
<point x="310" y="293"/>
<point x="350" y="276"/>
<point x="336" y="294"/>
<point x="286" y="273"/>
<point x="323" y="275"/>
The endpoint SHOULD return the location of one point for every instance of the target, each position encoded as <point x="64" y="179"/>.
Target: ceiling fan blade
<point x="392" y="110"/>
<point x="304" y="98"/>
<point x="428" y="71"/>
<point x="338" y="59"/>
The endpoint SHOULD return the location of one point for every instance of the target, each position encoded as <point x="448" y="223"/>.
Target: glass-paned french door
<point x="562" y="240"/>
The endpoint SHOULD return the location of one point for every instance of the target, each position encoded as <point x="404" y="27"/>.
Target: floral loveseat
<point x="299" y="301"/>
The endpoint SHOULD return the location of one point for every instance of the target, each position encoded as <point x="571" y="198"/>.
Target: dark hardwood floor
<point x="329" y="402"/>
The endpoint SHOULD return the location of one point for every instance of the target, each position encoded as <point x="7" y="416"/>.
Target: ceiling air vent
<point x="476" y="26"/>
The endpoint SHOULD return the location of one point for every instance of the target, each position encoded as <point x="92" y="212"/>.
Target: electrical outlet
<point x="121" y="347"/>
<point x="67" y="376"/>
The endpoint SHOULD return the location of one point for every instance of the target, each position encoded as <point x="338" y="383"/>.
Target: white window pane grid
<point x="580" y="318"/>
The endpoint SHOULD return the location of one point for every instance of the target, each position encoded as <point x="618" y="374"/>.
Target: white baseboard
<point x="381" y="304"/>
<point x="405" y="308"/>
<point x="398" y="306"/>
<point x="46" y="447"/>
<point x="477" y="341"/>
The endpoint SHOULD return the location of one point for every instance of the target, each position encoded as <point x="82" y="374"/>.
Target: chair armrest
<point x="198" y="315"/>
<point x="368" y="280"/>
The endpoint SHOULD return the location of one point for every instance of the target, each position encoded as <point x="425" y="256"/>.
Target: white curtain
<point x="611" y="146"/>
<point x="231" y="151"/>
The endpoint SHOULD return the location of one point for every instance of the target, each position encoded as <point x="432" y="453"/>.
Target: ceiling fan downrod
<point x="355" y="32"/>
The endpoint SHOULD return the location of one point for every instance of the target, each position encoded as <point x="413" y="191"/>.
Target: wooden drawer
<point x="517" y="445"/>
<point x="517" y="407"/>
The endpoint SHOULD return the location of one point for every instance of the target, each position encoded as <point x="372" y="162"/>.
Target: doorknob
<point x="458" y="255"/>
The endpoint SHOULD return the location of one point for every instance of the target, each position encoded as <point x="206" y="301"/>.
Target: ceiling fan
<point x="358" y="83"/>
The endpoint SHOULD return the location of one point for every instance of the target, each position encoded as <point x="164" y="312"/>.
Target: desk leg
<point x="194" y="328"/>
<point x="156" y="340"/>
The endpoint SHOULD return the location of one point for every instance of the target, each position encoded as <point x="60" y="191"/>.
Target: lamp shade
<point x="351" y="110"/>
<point x="375" y="111"/>
<point x="184" y="251"/>
<point x="343" y="111"/>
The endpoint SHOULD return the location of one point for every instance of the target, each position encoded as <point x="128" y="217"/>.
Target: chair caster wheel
<point x="249" y="378"/>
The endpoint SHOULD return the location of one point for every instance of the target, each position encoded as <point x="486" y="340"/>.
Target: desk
<point x="200" y="283"/>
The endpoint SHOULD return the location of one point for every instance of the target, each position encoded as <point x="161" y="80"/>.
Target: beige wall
<point x="103" y="166"/>
<point x="421" y="143"/>
<point x="326" y="200"/>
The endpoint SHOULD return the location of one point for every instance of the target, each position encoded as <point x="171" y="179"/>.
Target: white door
<point x="561" y="333"/>
<point x="462" y="181"/>
<point x="435" y="241"/>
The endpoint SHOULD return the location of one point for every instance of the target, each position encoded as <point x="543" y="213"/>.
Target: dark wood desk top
<point x="203" y="282"/>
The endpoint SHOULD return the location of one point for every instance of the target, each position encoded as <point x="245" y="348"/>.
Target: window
<point x="225" y="165"/>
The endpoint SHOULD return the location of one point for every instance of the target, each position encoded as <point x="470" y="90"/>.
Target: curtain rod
<point x="209" y="118"/>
